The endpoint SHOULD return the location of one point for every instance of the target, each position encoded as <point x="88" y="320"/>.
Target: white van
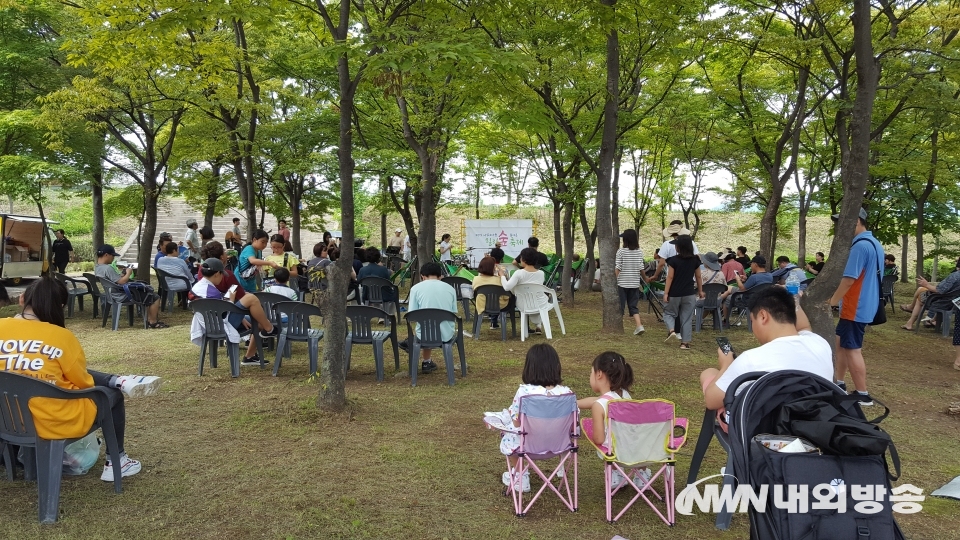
<point x="26" y="247"/>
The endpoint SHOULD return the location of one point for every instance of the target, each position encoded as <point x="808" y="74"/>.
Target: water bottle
<point x="793" y="287"/>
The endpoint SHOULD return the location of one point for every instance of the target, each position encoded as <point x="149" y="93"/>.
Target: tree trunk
<point x="96" y="189"/>
<point x="588" y="239"/>
<point x="904" y="243"/>
<point x="567" y="233"/>
<point x="427" y="236"/>
<point x="854" y="175"/>
<point x="333" y="394"/>
<point x="615" y="191"/>
<point x="558" y="228"/>
<point x="149" y="230"/>
<point x="768" y="223"/>
<point x="922" y="200"/>
<point x="383" y="231"/>
<point x="296" y="222"/>
<point x="612" y="318"/>
<point x="802" y="235"/>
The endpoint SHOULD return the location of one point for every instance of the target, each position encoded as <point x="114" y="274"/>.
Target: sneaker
<point x="864" y="400"/>
<point x="428" y="367"/>
<point x="642" y="477"/>
<point x="467" y="334"/>
<point x="138" y="385"/>
<point x="538" y="330"/>
<point x="128" y="467"/>
<point x="638" y="330"/>
<point x="252" y="361"/>
<point x="405" y="345"/>
<point x="273" y="333"/>
<point x="615" y="480"/>
<point x="524" y="482"/>
<point x="842" y="385"/>
<point x="673" y="335"/>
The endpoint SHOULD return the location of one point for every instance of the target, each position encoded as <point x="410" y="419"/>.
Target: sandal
<point x="684" y="346"/>
<point x="158" y="325"/>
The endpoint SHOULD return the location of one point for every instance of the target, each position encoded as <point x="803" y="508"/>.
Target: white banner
<point x="510" y="234"/>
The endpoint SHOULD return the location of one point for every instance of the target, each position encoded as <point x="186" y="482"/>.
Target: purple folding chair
<point x="642" y="434"/>
<point x="548" y="429"/>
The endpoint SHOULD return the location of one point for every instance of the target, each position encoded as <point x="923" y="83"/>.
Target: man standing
<point x="62" y="251"/>
<point x="432" y="293"/>
<point x="668" y="249"/>
<point x="234" y="238"/>
<point x="859" y="297"/>
<point x="407" y="248"/>
<point x="191" y="239"/>
<point x="395" y="243"/>
<point x="283" y="230"/>
<point x="104" y="269"/>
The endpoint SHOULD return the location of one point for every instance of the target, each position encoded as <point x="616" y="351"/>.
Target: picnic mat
<point x="951" y="490"/>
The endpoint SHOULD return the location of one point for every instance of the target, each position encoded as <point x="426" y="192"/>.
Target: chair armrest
<point x="676" y="442"/>
<point x="586" y="426"/>
<point x="73" y="282"/>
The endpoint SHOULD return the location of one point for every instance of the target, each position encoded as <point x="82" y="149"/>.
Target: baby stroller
<point x="838" y="452"/>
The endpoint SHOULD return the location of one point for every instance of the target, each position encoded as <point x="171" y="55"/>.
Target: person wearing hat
<point x="191" y="239"/>
<point x="668" y="248"/>
<point x="395" y="243"/>
<point x="165" y="238"/>
<point x="858" y="297"/>
<point x="212" y="273"/>
<point x="105" y="269"/>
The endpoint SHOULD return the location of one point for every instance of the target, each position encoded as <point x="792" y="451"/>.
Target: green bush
<point x="944" y="268"/>
<point x="77" y="221"/>
<point x="83" y="250"/>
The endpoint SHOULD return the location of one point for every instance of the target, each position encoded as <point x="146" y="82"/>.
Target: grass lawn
<point x="253" y="457"/>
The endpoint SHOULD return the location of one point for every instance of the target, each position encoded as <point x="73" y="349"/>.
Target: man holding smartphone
<point x="786" y="342"/>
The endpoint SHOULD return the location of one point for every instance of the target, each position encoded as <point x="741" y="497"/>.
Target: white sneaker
<point x="128" y="467"/>
<point x="642" y="477"/>
<point x="524" y="482"/>
<point x="616" y="479"/>
<point x="638" y="330"/>
<point x="138" y="385"/>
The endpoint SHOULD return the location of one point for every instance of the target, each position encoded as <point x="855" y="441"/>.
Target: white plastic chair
<point x="530" y="300"/>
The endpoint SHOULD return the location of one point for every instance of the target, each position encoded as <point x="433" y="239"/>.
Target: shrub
<point x="944" y="268"/>
<point x="83" y="250"/>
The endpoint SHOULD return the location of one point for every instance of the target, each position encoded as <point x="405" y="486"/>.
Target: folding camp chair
<point x="642" y="433"/>
<point x="548" y="429"/>
<point x="654" y="303"/>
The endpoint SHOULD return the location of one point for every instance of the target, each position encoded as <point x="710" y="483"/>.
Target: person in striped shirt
<point x="629" y="271"/>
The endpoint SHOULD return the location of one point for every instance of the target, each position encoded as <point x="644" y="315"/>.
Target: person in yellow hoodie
<point x="36" y="343"/>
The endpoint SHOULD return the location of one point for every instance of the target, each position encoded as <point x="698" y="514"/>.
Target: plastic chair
<point x="458" y="283"/>
<point x="530" y="301"/>
<point x="373" y="289"/>
<point x="492" y="311"/>
<point x="941" y="305"/>
<point x="362" y="333"/>
<point x="642" y="433"/>
<point x="93" y="284"/>
<point x="214" y="331"/>
<point x="886" y="290"/>
<point x="43" y="458"/>
<point x="711" y="302"/>
<point x="167" y="299"/>
<point x="76" y="290"/>
<point x="298" y="329"/>
<point x="111" y="304"/>
<point x="429" y="321"/>
<point x="548" y="429"/>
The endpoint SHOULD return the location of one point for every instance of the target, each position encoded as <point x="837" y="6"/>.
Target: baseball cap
<point x="760" y="260"/>
<point x="212" y="264"/>
<point x="863" y="215"/>
<point x="398" y="230"/>
<point x="166" y="236"/>
<point x="106" y="249"/>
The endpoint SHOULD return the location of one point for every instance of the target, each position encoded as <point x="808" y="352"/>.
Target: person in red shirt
<point x="283" y="230"/>
<point x="215" y="250"/>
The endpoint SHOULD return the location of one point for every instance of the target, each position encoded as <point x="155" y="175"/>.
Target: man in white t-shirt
<point x="668" y="248"/>
<point x="786" y="342"/>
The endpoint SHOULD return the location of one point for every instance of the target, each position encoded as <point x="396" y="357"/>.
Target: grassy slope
<point x="253" y="458"/>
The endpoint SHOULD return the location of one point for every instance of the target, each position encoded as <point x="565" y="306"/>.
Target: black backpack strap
<point x="863" y="528"/>
<point x="895" y="459"/>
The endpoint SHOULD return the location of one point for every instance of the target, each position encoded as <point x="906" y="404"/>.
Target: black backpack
<point x="846" y="451"/>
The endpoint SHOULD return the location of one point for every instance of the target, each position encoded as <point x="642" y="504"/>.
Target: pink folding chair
<point x="642" y="434"/>
<point x="548" y="429"/>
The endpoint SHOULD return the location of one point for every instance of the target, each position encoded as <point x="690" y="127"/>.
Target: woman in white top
<point x="528" y="274"/>
<point x="445" y="248"/>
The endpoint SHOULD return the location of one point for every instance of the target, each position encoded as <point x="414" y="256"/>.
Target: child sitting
<point x="541" y="376"/>
<point x="282" y="277"/>
<point x="611" y="377"/>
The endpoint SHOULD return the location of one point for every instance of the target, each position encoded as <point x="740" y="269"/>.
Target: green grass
<point x="253" y="458"/>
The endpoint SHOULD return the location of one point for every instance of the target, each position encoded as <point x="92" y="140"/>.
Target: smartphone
<point x="736" y="272"/>
<point x="724" y="345"/>
<point x="232" y="289"/>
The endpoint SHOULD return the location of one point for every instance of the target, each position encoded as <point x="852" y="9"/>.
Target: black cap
<point x="106" y="249"/>
<point x="761" y="262"/>
<point x="212" y="264"/>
